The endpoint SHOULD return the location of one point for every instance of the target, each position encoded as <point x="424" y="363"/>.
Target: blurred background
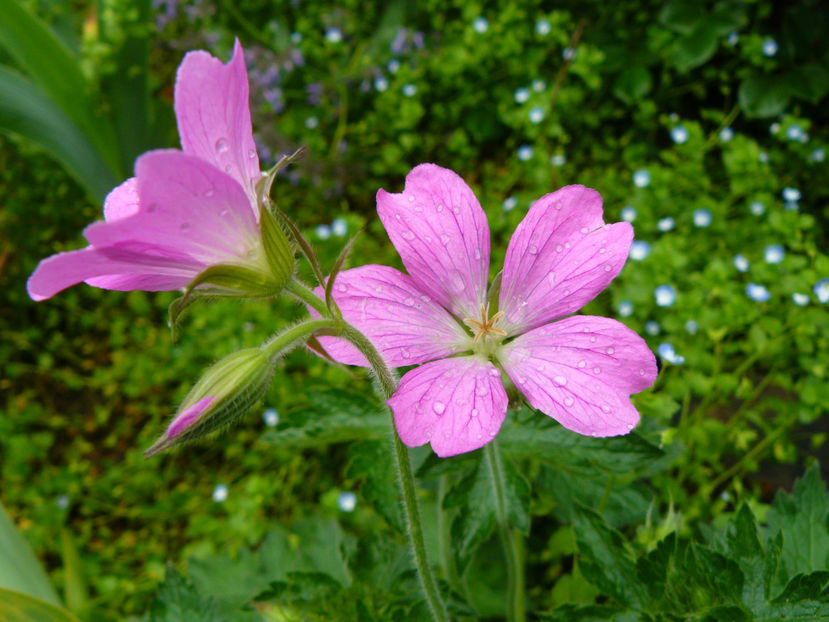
<point x="704" y="124"/>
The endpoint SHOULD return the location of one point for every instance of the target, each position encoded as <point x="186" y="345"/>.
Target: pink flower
<point x="579" y="370"/>
<point x="184" y="210"/>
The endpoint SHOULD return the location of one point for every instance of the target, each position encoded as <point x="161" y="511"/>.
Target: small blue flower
<point x="758" y="293"/>
<point x="323" y="232"/>
<point x="347" y="501"/>
<point x="774" y="128"/>
<point x="538" y="85"/>
<point x="791" y="194"/>
<point x="334" y="35"/>
<point x="665" y="224"/>
<point x="628" y="213"/>
<point x="568" y="53"/>
<point x="652" y="327"/>
<point x="296" y="38"/>
<point x="525" y="152"/>
<point x="794" y="132"/>
<point x="741" y="263"/>
<point x="339" y="227"/>
<point x="311" y="123"/>
<point x="774" y="253"/>
<point x="733" y="39"/>
<point x="702" y="217"/>
<point x="769" y="47"/>
<point x="726" y="134"/>
<point x="271" y="417"/>
<point x="665" y="295"/>
<point x="510" y="203"/>
<point x="409" y="90"/>
<point x="757" y="208"/>
<point x="536" y="115"/>
<point x="667" y="353"/>
<point x="801" y="300"/>
<point x="763" y="157"/>
<point x="558" y="159"/>
<point x="641" y="178"/>
<point x="220" y="493"/>
<point x="818" y="155"/>
<point x="543" y="27"/>
<point x="679" y="134"/>
<point x="381" y="84"/>
<point x="821" y="290"/>
<point x="480" y="25"/>
<point x="625" y="308"/>
<point x="522" y="95"/>
<point x="639" y="250"/>
<point x="691" y="327"/>
<point x="62" y="502"/>
<point x="393" y="65"/>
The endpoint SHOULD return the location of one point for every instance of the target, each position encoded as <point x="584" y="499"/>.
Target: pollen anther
<point x="485" y="327"/>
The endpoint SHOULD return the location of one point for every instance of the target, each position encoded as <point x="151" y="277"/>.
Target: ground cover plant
<point x="700" y="124"/>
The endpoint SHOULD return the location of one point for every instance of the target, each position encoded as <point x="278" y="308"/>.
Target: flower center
<point x="484" y="327"/>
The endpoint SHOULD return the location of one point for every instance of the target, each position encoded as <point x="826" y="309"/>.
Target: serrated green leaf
<point x="373" y="463"/>
<point x="19" y="607"/>
<point x="26" y="111"/>
<point x="19" y="568"/>
<point x="604" y="560"/>
<point x="803" y="519"/>
<point x="232" y="582"/>
<point x="592" y="613"/>
<point x="333" y="416"/>
<point x="179" y="601"/>
<point x="803" y="587"/>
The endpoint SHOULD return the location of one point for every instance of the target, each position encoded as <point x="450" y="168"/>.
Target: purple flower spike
<point x="184" y="210"/>
<point x="580" y="370"/>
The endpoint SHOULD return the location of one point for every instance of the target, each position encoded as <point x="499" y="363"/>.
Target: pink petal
<point x="122" y="201"/>
<point x="581" y="372"/>
<point x="403" y="323"/>
<point x="187" y="207"/>
<point x="213" y="114"/>
<point x="63" y="270"/>
<point x="560" y="257"/>
<point x="458" y="404"/>
<point x="442" y="235"/>
<point x="188" y="417"/>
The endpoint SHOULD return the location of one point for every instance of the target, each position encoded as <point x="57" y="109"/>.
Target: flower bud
<point x="225" y="393"/>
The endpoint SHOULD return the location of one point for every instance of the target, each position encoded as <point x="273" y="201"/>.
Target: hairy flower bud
<point x="225" y="393"/>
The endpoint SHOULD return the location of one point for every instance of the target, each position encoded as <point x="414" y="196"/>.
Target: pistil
<point x="486" y="326"/>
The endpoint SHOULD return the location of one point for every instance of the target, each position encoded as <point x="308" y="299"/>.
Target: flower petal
<point x="186" y="207"/>
<point x="458" y="404"/>
<point x="559" y="258"/>
<point x="185" y="419"/>
<point x="63" y="270"/>
<point x="442" y="235"/>
<point x="405" y="325"/>
<point x="213" y="114"/>
<point x="581" y="372"/>
<point x="122" y="201"/>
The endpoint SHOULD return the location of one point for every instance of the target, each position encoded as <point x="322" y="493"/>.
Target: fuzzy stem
<point x="307" y="295"/>
<point x="510" y="538"/>
<point x="388" y="384"/>
<point x="290" y="337"/>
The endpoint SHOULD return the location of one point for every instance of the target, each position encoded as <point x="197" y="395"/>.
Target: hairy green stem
<point x="284" y="340"/>
<point x="307" y="295"/>
<point x="511" y="539"/>
<point x="388" y="384"/>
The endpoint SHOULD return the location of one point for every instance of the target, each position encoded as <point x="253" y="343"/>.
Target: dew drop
<point x="605" y="408"/>
<point x="456" y="210"/>
<point x="411" y="198"/>
<point x="585" y="330"/>
<point x="251" y="153"/>
<point x="227" y="168"/>
<point x="444" y="238"/>
<point x="533" y="249"/>
<point x="378" y="289"/>
<point x="439" y="407"/>
<point x="439" y="207"/>
<point x="551" y="278"/>
<point x="480" y="436"/>
<point x="630" y="426"/>
<point x="597" y="370"/>
<point x="559" y="248"/>
<point x="567" y="245"/>
<point x="610" y="350"/>
<point x="560" y="380"/>
<point x="566" y="291"/>
<point x="224" y="213"/>
<point x="558" y="204"/>
<point x="607" y="267"/>
<point x="641" y="372"/>
<point x="409" y="302"/>
<point x="582" y="363"/>
<point x="397" y="216"/>
<point x="494" y="372"/>
<point x="405" y="353"/>
<point x="209" y="193"/>
<point x="425" y="298"/>
<point x="602" y="251"/>
<point x="456" y="281"/>
<point x="221" y="145"/>
<point x="342" y="287"/>
<point x="474" y="412"/>
<point x="481" y="389"/>
<point x="408" y="235"/>
<point x="592" y="338"/>
<point x="584" y="230"/>
<point x="477" y="253"/>
<point x="568" y="401"/>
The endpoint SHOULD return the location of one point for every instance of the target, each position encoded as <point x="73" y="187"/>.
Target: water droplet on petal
<point x="641" y="371"/>
<point x="221" y="145"/>
<point x="558" y="204"/>
<point x="582" y="363"/>
<point x="584" y="230"/>
<point x="439" y="407"/>
<point x="409" y="302"/>
<point x="444" y="238"/>
<point x="457" y="282"/>
<point x="533" y="249"/>
<point x="610" y="350"/>
<point x="474" y="412"/>
<point x="224" y="213"/>
<point x="251" y="153"/>
<point x="602" y="251"/>
<point x="567" y="245"/>
<point x="494" y="372"/>
<point x="378" y="289"/>
<point x="405" y="353"/>
<point x="342" y="287"/>
<point x="397" y="216"/>
<point x="481" y="389"/>
<point x="559" y="248"/>
<point x="439" y="207"/>
<point x="551" y="278"/>
<point x="592" y="338"/>
<point x="411" y="198"/>
<point x="560" y="380"/>
<point x="477" y="253"/>
<point x="605" y="408"/>
<point x="227" y="168"/>
<point x="607" y="267"/>
<point x="568" y="401"/>
<point x="479" y="437"/>
<point x="597" y="370"/>
<point x="209" y="192"/>
<point x="408" y="235"/>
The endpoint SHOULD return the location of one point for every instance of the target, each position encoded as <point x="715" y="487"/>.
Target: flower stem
<point x="510" y="538"/>
<point x="290" y="337"/>
<point x="307" y="295"/>
<point x="388" y="384"/>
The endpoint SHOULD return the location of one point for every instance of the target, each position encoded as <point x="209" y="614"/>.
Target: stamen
<point x="486" y="326"/>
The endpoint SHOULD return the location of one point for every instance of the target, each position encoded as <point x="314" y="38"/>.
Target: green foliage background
<point x="89" y="377"/>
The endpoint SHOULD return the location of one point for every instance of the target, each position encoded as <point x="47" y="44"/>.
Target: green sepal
<point x="302" y="244"/>
<point x="237" y="382"/>
<point x="335" y="270"/>
<point x="263" y="186"/>
<point x="278" y="249"/>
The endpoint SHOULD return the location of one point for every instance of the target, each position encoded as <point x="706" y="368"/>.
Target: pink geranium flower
<point x="184" y="210"/>
<point x="580" y="370"/>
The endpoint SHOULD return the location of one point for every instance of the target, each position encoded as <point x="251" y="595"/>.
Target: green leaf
<point x="51" y="65"/>
<point x="19" y="568"/>
<point x="232" y="582"/>
<point x="809" y="81"/>
<point x="26" y="111"/>
<point x="592" y="613"/>
<point x="632" y="84"/>
<point x="75" y="588"/>
<point x="763" y="96"/>
<point x="682" y="15"/>
<point x="18" y="607"/>
<point x="604" y="560"/>
<point x="373" y="463"/>
<point x="803" y="519"/>
<point x="334" y="416"/>
<point x="179" y="601"/>
<point x="696" y="47"/>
